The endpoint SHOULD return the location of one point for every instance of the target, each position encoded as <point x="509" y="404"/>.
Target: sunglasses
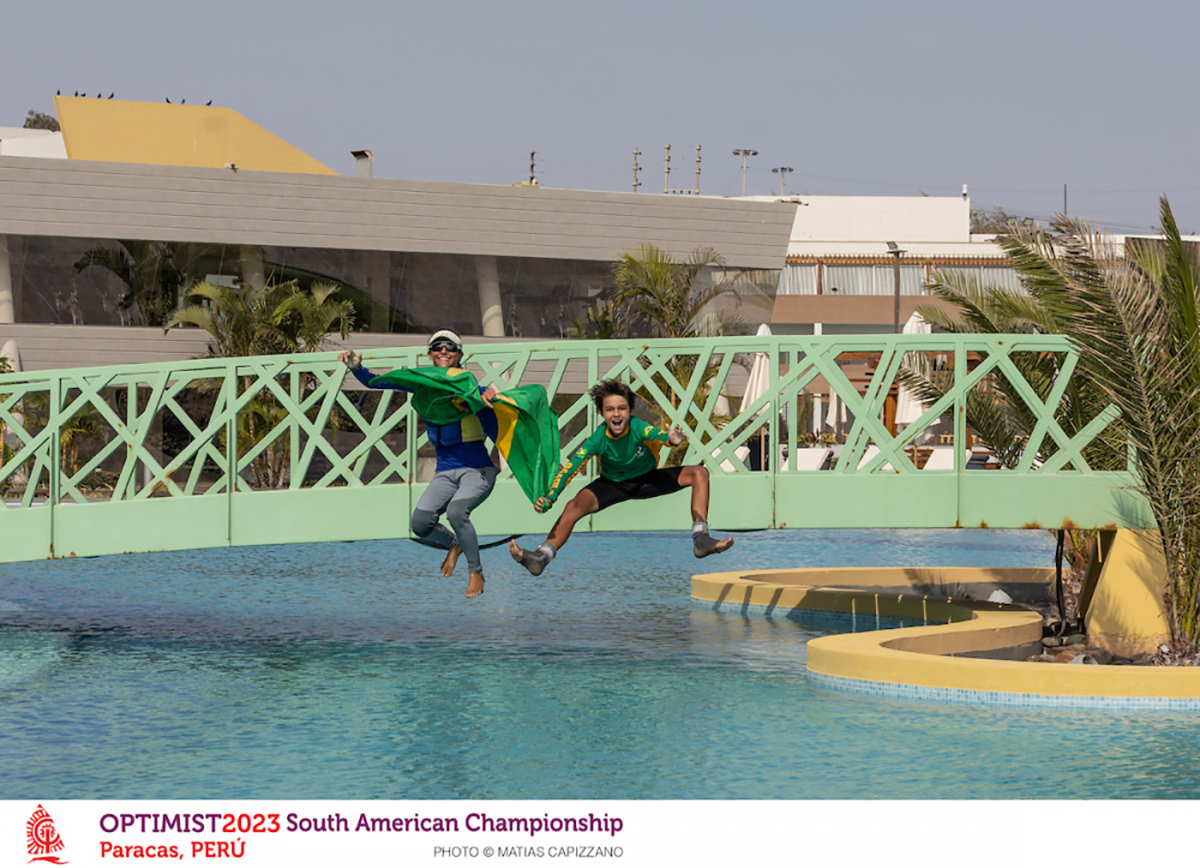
<point x="444" y="346"/>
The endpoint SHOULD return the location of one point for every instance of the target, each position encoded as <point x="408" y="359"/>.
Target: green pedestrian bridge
<point x="289" y="449"/>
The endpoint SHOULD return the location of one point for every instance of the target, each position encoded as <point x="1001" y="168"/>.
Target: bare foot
<point x="534" y="561"/>
<point x="451" y="561"/>
<point x="704" y="545"/>
<point x="475" y="585"/>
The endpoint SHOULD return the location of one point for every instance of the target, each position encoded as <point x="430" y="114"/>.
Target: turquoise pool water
<point x="354" y="671"/>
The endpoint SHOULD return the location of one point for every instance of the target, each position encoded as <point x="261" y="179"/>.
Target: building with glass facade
<point x="102" y="244"/>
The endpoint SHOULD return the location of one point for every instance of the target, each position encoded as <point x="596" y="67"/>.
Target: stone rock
<point x="1101" y="655"/>
<point x="1066" y="656"/>
<point x="1075" y="639"/>
<point x="1085" y="658"/>
<point x="1143" y="660"/>
<point x="1051" y="641"/>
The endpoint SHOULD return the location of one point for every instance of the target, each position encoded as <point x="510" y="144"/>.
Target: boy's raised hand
<point x="351" y="360"/>
<point x="675" y="435"/>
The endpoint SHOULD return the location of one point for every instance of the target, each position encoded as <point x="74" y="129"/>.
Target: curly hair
<point x="608" y="388"/>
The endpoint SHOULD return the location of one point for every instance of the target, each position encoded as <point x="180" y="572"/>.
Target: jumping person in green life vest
<point x="465" y="472"/>
<point x="627" y="450"/>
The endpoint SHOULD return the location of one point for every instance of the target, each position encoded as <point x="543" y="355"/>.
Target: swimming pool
<point x="354" y="671"/>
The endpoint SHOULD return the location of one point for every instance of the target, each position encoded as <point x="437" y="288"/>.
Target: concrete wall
<point x="902" y="219"/>
<point x="100" y="200"/>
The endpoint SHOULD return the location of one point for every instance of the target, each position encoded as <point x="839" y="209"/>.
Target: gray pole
<point x="743" y="153"/>
<point x="896" y="253"/>
<point x="782" y="170"/>
<point x="896" y="275"/>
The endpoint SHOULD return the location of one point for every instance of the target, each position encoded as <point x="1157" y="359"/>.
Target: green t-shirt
<point x="633" y="453"/>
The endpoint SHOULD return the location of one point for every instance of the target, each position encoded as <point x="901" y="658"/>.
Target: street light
<point x="782" y="170"/>
<point x="896" y="252"/>
<point x="747" y="152"/>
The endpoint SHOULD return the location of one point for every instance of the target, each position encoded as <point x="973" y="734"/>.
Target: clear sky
<point x="1014" y="99"/>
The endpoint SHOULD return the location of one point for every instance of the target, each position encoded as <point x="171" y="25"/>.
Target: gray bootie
<point x="535" y="561"/>
<point x="704" y="545"/>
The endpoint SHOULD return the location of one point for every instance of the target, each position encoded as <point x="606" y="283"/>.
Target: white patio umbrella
<point x="760" y="382"/>
<point x="836" y="408"/>
<point x="908" y="407"/>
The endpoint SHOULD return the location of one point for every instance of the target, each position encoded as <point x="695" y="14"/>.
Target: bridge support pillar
<point x="1122" y="600"/>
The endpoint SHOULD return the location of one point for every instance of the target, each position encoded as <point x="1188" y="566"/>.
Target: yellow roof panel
<point x="121" y="131"/>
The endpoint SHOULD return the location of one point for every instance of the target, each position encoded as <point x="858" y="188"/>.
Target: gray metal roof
<point x="76" y="198"/>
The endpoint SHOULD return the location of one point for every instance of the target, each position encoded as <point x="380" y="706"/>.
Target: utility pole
<point x="782" y="171"/>
<point x="636" y="182"/>
<point x="743" y="153"/>
<point x="697" y="170"/>
<point x="532" y="178"/>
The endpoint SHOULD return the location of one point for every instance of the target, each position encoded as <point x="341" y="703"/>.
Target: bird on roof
<point x="111" y="95"/>
<point x="58" y="93"/>
<point x="168" y="99"/>
<point x="76" y="93"/>
<point x="209" y="102"/>
<point x="182" y="101"/>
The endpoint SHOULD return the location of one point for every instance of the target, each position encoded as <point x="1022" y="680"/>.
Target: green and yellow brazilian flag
<point x="528" y="428"/>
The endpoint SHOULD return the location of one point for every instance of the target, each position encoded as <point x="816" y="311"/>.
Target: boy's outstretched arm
<point x="565" y="474"/>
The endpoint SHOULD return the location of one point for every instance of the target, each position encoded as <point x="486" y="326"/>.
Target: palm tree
<point x="1135" y="320"/>
<point x="153" y="272"/>
<point x="266" y="320"/>
<point x="82" y="427"/>
<point x="669" y="295"/>
<point x="996" y="411"/>
<point x="673" y="299"/>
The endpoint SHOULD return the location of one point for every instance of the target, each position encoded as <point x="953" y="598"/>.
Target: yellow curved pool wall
<point x="918" y="656"/>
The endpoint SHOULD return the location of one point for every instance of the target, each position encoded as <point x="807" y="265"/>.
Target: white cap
<point x="446" y="335"/>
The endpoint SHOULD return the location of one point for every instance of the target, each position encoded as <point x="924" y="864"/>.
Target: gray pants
<point x="456" y="493"/>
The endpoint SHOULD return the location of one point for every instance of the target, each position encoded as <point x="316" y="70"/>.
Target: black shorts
<point x="652" y="484"/>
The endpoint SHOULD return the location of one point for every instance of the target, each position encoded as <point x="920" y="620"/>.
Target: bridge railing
<point x="289" y="448"/>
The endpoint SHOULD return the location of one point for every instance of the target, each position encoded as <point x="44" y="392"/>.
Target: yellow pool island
<point x="912" y="626"/>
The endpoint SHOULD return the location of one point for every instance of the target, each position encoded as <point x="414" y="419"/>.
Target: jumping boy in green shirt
<point x="627" y="451"/>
